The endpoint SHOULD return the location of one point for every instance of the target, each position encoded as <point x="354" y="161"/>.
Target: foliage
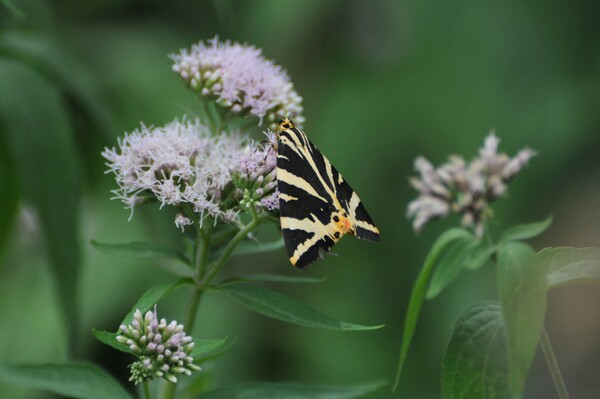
<point x="74" y="78"/>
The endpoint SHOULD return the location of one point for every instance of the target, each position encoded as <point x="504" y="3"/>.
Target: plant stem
<point x="561" y="389"/>
<point x="193" y="309"/>
<point x="202" y="255"/>
<point x="201" y="251"/>
<point x="219" y="263"/>
<point x="168" y="390"/>
<point x="146" y="391"/>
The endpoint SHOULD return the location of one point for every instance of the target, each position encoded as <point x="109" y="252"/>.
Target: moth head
<point x="285" y="124"/>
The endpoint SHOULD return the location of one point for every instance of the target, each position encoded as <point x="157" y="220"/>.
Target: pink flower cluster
<point x="178" y="164"/>
<point x="240" y="79"/>
<point x="163" y="348"/>
<point x="465" y="189"/>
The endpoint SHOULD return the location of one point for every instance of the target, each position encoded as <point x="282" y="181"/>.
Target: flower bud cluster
<point x="465" y="189"/>
<point x="237" y="77"/>
<point x="163" y="349"/>
<point x="255" y="175"/>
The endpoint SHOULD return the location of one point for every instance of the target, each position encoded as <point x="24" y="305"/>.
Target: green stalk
<point x="202" y="279"/>
<point x="193" y="309"/>
<point x="168" y="390"/>
<point x="146" y="391"/>
<point x="219" y="263"/>
<point x="202" y="255"/>
<point x="559" y="383"/>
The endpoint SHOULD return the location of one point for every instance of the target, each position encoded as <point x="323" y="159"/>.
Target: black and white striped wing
<point x="364" y="228"/>
<point x="317" y="206"/>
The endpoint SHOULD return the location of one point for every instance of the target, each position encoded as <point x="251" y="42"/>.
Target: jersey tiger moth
<point x="316" y="204"/>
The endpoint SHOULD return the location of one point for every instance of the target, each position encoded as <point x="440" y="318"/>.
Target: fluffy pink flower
<point x="240" y="79"/>
<point x="465" y="189"/>
<point x="180" y="163"/>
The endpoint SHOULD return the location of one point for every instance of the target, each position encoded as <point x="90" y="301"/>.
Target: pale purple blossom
<point x="254" y="174"/>
<point x="239" y="78"/>
<point x="465" y="189"/>
<point x="271" y="202"/>
<point x="163" y="349"/>
<point x="182" y="221"/>
<point x="180" y="164"/>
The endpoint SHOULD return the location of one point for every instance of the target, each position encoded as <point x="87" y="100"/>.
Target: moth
<point x="317" y="206"/>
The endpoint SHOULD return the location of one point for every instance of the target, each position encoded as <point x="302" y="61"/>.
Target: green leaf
<point x="278" y="306"/>
<point x="522" y="291"/>
<point x="418" y="293"/>
<point x="216" y="353"/>
<point x="525" y="231"/>
<point x="480" y="255"/>
<point x="271" y="278"/>
<point x="141" y="250"/>
<point x="15" y="12"/>
<point x="52" y="59"/>
<point x="36" y="128"/>
<point x="291" y="391"/>
<point x="450" y="267"/>
<point x="203" y="347"/>
<point x="83" y="381"/>
<point x="568" y="266"/>
<point x="250" y="247"/>
<point x="152" y="296"/>
<point x="110" y="339"/>
<point x="9" y="200"/>
<point x="198" y="383"/>
<point x="476" y="364"/>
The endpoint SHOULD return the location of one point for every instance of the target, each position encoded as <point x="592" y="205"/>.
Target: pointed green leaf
<point x="525" y="231"/>
<point x="152" y="296"/>
<point x="450" y="267"/>
<point x="82" y="381"/>
<point x="476" y="364"/>
<point x="567" y="266"/>
<point x="255" y="247"/>
<point x="278" y="306"/>
<point x="202" y="347"/>
<point x="271" y="278"/>
<point x="15" y="11"/>
<point x="215" y="353"/>
<point x="198" y="383"/>
<point x="480" y="255"/>
<point x="250" y="247"/>
<point x="110" y="339"/>
<point x="522" y="291"/>
<point x="36" y="128"/>
<point x="141" y="250"/>
<point x="291" y="391"/>
<point x="51" y="58"/>
<point x="418" y="293"/>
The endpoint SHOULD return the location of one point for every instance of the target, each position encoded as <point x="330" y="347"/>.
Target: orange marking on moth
<point x="343" y="225"/>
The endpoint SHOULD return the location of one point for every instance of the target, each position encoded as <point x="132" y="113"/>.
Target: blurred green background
<point x="383" y="81"/>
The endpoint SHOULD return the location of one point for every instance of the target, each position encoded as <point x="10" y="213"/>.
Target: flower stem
<point x="561" y="389"/>
<point x="193" y="309"/>
<point x="219" y="263"/>
<point x="168" y="390"/>
<point x="204" y="243"/>
<point x="146" y="391"/>
<point x="201" y="251"/>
